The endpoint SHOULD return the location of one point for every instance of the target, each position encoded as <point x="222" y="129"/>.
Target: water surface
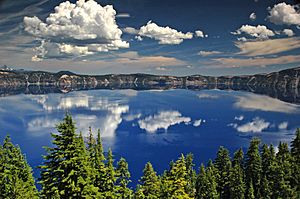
<point x="153" y="125"/>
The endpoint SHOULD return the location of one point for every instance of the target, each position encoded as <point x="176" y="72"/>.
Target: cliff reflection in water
<point x="291" y="95"/>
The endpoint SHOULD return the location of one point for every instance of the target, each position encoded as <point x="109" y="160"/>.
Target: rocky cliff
<point x="283" y="84"/>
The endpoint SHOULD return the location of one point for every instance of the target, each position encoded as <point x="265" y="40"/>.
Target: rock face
<point x="283" y="84"/>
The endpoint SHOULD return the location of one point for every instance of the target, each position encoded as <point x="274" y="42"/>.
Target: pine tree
<point x="253" y="166"/>
<point x="150" y="184"/>
<point x="109" y="190"/>
<point x="206" y="186"/>
<point x="238" y="158"/>
<point x="267" y="159"/>
<point x="295" y="152"/>
<point x="123" y="179"/>
<point x="250" y="191"/>
<point x="282" y="186"/>
<point x="66" y="172"/>
<point x="223" y="165"/>
<point x="15" y="174"/>
<point x="265" y="190"/>
<point x="201" y="185"/>
<point x="191" y="175"/>
<point x="174" y="182"/>
<point x="96" y="159"/>
<point x="236" y="177"/>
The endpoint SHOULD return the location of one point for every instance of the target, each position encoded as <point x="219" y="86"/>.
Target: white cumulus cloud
<point x="165" y="35"/>
<point x="78" y="29"/>
<point x="283" y="13"/>
<point x="162" y="120"/>
<point x="200" y="33"/>
<point x="257" y="125"/>
<point x="283" y="125"/>
<point x="252" y="16"/>
<point x="288" y="32"/>
<point x="198" y="122"/>
<point x="239" y="118"/>
<point x="259" y="31"/>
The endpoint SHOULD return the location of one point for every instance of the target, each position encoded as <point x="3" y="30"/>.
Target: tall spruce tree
<point x="253" y="167"/>
<point x="109" y="190"/>
<point x="16" y="180"/>
<point x="223" y="165"/>
<point x="97" y="158"/>
<point x="282" y="185"/>
<point x="267" y="159"/>
<point x="238" y="158"/>
<point x="66" y="172"/>
<point x="149" y="187"/>
<point x="174" y="182"/>
<point x="250" y="191"/>
<point x="295" y="152"/>
<point x="191" y="175"/>
<point x="236" y="177"/>
<point x="123" y="179"/>
<point x="236" y="183"/>
<point x="206" y="186"/>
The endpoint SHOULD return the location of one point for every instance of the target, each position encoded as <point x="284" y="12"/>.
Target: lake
<point x="150" y="125"/>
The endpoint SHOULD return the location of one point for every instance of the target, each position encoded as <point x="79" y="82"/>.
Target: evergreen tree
<point x="223" y="165"/>
<point x="150" y="184"/>
<point x="97" y="158"/>
<point x="236" y="177"/>
<point x="250" y="191"/>
<point x="267" y="159"/>
<point x="174" y="182"/>
<point x="295" y="152"/>
<point x="238" y="158"/>
<point x="109" y="190"/>
<point x="253" y="167"/>
<point x="123" y="179"/>
<point x="15" y="174"/>
<point x="66" y="172"/>
<point x="191" y="175"/>
<point x="201" y="185"/>
<point x="206" y="186"/>
<point x="283" y="169"/>
<point x="265" y="190"/>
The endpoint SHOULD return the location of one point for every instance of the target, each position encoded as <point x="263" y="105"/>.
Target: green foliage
<point x="16" y="180"/>
<point x="150" y="184"/>
<point x="223" y="165"/>
<point x="191" y="175"/>
<point x="295" y="152"/>
<point x="75" y="169"/>
<point x="66" y="172"/>
<point x="253" y="167"/>
<point x="206" y="186"/>
<point x="123" y="178"/>
<point x="174" y="182"/>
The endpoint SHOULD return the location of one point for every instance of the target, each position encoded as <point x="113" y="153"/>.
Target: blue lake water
<point x="154" y="125"/>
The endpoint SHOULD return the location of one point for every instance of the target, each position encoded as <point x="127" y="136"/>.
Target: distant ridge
<point x="284" y="84"/>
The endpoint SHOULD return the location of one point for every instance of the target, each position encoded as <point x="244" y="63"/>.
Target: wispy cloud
<point x="254" y="102"/>
<point x="255" y="61"/>
<point x="267" y="47"/>
<point x="208" y="53"/>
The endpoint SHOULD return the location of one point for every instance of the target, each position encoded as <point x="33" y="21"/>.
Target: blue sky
<point x="159" y="36"/>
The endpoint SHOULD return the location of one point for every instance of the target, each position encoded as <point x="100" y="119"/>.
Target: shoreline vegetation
<point x="77" y="167"/>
